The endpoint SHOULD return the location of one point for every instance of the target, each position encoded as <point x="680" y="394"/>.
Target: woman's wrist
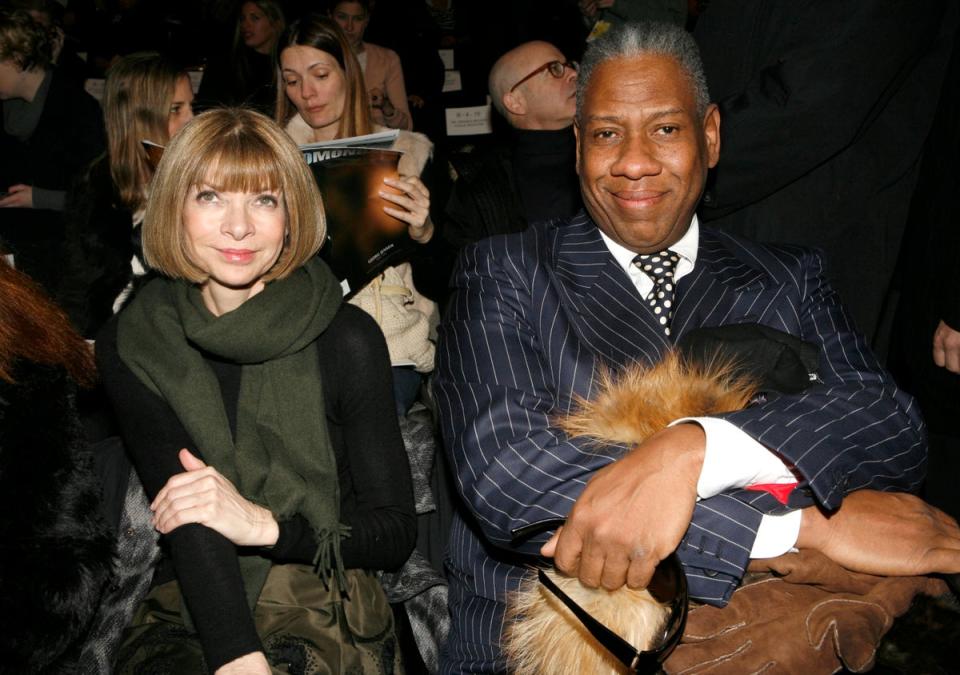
<point x="266" y="528"/>
<point x="423" y="233"/>
<point x="254" y="663"/>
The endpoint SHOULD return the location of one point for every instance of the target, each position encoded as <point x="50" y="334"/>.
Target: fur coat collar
<point x="57" y="550"/>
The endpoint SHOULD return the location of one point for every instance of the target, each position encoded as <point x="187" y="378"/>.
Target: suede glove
<point x="801" y="614"/>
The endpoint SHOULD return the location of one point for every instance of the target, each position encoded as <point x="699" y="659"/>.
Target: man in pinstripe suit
<point x="534" y="315"/>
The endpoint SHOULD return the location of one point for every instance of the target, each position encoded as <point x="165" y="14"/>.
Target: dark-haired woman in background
<point x="321" y="97"/>
<point x="381" y="67"/>
<point x="246" y="76"/>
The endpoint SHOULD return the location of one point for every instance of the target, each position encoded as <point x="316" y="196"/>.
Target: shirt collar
<point x="686" y="248"/>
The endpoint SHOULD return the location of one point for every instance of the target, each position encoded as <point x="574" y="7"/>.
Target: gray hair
<point x="642" y="39"/>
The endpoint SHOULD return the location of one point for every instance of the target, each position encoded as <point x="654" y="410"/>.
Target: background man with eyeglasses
<point x="534" y="315"/>
<point x="529" y="175"/>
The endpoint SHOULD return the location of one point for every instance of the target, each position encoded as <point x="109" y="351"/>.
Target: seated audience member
<point x="381" y="67"/>
<point x="531" y="175"/>
<point x="257" y="409"/>
<point x="535" y="316"/>
<point x="406" y="27"/>
<point x="51" y="131"/>
<point x="50" y="14"/>
<point x="146" y="97"/>
<point x="58" y="550"/>
<point x="247" y="76"/>
<point x="321" y="98"/>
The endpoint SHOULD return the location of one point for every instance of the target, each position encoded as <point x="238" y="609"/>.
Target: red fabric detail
<point x="780" y="491"/>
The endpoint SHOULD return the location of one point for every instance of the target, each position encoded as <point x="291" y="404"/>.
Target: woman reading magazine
<point x="322" y="97"/>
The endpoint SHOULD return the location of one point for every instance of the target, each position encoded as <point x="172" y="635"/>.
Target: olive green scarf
<point x="281" y="457"/>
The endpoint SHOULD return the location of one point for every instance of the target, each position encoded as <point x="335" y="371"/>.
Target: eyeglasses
<point x="555" y="68"/>
<point x="668" y="586"/>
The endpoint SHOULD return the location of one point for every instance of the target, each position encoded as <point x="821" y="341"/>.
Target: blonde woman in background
<point x="147" y="98"/>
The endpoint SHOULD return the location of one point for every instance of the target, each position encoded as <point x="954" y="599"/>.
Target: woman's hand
<point x="414" y="201"/>
<point x="201" y="495"/>
<point x="248" y="664"/>
<point x="18" y="197"/>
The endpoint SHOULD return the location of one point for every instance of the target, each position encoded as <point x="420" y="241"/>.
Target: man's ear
<point x="515" y="103"/>
<point x="711" y="134"/>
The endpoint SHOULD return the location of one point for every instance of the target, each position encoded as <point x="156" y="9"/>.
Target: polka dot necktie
<point x="660" y="267"/>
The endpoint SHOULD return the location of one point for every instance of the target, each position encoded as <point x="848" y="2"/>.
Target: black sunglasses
<point x="668" y="586"/>
<point x="556" y="68"/>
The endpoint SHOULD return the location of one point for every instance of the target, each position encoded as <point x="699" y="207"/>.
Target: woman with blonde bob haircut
<point x="246" y="156"/>
<point x="258" y="410"/>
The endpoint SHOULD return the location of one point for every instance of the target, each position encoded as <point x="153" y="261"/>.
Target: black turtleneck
<point x="544" y="164"/>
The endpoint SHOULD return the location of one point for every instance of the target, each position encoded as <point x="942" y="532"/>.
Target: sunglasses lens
<point x="556" y="69"/>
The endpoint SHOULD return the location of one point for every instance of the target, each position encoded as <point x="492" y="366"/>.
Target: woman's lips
<point x="237" y="255"/>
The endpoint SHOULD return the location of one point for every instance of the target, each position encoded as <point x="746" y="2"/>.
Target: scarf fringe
<point x="328" y="560"/>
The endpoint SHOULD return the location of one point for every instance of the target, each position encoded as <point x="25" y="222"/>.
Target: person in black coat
<point x="56" y="546"/>
<point x="530" y="174"/>
<point x="825" y="107"/>
<point x="51" y="130"/>
<point x="925" y="350"/>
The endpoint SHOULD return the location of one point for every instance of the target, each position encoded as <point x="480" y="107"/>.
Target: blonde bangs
<point x="237" y="163"/>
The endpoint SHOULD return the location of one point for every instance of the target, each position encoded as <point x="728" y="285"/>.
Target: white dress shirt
<point x="732" y="459"/>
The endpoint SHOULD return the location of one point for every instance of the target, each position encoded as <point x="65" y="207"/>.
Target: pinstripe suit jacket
<point x="531" y="317"/>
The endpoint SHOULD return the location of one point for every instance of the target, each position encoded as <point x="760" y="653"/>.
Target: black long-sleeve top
<point x="376" y="496"/>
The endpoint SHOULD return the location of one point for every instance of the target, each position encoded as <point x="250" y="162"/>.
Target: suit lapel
<point x="599" y="299"/>
<point x="721" y="289"/>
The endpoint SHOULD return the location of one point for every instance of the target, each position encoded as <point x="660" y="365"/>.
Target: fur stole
<point x="57" y="550"/>
<point x="540" y="634"/>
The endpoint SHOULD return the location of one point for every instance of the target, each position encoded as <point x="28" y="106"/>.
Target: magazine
<point x="362" y="240"/>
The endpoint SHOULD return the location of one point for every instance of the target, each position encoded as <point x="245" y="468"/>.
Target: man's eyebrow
<point x="667" y="112"/>
<point x="604" y="118"/>
<point x="653" y="116"/>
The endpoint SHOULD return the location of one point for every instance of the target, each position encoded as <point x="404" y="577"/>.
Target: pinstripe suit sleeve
<point x="496" y="397"/>
<point x="853" y="430"/>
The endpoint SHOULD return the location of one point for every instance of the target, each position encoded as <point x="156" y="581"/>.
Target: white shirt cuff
<point x="733" y="459"/>
<point x="776" y="535"/>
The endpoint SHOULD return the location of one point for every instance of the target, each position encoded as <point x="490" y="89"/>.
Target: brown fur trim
<point x="633" y="405"/>
<point x="542" y="636"/>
